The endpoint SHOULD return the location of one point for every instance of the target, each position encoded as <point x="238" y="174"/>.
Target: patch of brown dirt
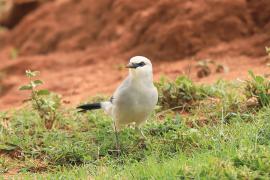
<point x="80" y="45"/>
<point x="10" y="173"/>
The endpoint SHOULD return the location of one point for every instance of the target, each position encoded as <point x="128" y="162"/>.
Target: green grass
<point x="217" y="137"/>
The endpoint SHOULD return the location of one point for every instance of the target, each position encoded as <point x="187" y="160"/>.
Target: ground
<point x="81" y="55"/>
<point x="218" y="131"/>
<point x="81" y="50"/>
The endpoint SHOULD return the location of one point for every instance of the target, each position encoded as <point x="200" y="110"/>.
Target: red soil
<point x="80" y="46"/>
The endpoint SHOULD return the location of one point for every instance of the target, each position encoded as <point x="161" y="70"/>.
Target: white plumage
<point x="134" y="99"/>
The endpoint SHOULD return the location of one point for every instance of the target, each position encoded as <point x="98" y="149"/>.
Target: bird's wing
<point x="108" y="105"/>
<point x="122" y="87"/>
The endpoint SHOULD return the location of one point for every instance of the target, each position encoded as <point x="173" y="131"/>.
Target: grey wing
<point x="109" y="105"/>
<point x="122" y="87"/>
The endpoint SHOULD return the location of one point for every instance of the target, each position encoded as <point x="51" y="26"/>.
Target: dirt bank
<point x="74" y="42"/>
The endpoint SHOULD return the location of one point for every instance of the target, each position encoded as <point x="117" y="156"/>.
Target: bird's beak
<point x="132" y="65"/>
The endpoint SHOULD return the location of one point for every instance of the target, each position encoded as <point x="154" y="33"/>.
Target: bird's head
<point x="139" y="67"/>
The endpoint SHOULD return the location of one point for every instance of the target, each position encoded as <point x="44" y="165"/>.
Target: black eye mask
<point x="135" y="65"/>
<point x="141" y="64"/>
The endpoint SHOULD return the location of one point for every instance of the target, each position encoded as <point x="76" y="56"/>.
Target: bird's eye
<point x="141" y="64"/>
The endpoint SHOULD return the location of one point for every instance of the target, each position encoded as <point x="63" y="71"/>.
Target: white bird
<point x="135" y="98"/>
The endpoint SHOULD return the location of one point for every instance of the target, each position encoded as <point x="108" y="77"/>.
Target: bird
<point x="134" y="99"/>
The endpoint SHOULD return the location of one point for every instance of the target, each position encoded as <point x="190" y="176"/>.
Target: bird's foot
<point x="142" y="139"/>
<point x="142" y="143"/>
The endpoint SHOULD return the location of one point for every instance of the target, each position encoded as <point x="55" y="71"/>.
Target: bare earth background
<point x="81" y="46"/>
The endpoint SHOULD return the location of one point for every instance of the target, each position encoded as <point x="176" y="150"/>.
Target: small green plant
<point x="43" y="101"/>
<point x="178" y="94"/>
<point x="258" y="87"/>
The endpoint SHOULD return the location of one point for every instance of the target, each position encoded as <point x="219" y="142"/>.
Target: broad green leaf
<point x="26" y="87"/>
<point x="38" y="82"/>
<point x="43" y="92"/>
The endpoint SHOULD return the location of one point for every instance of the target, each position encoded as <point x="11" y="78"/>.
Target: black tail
<point x="85" y="107"/>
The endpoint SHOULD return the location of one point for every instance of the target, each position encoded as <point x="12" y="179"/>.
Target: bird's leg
<point x="142" y="139"/>
<point x="141" y="132"/>
<point x="117" y="139"/>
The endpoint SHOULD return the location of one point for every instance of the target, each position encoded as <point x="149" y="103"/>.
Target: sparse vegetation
<point x="258" y="87"/>
<point x="179" y="94"/>
<point x="219" y="138"/>
<point x="43" y="101"/>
